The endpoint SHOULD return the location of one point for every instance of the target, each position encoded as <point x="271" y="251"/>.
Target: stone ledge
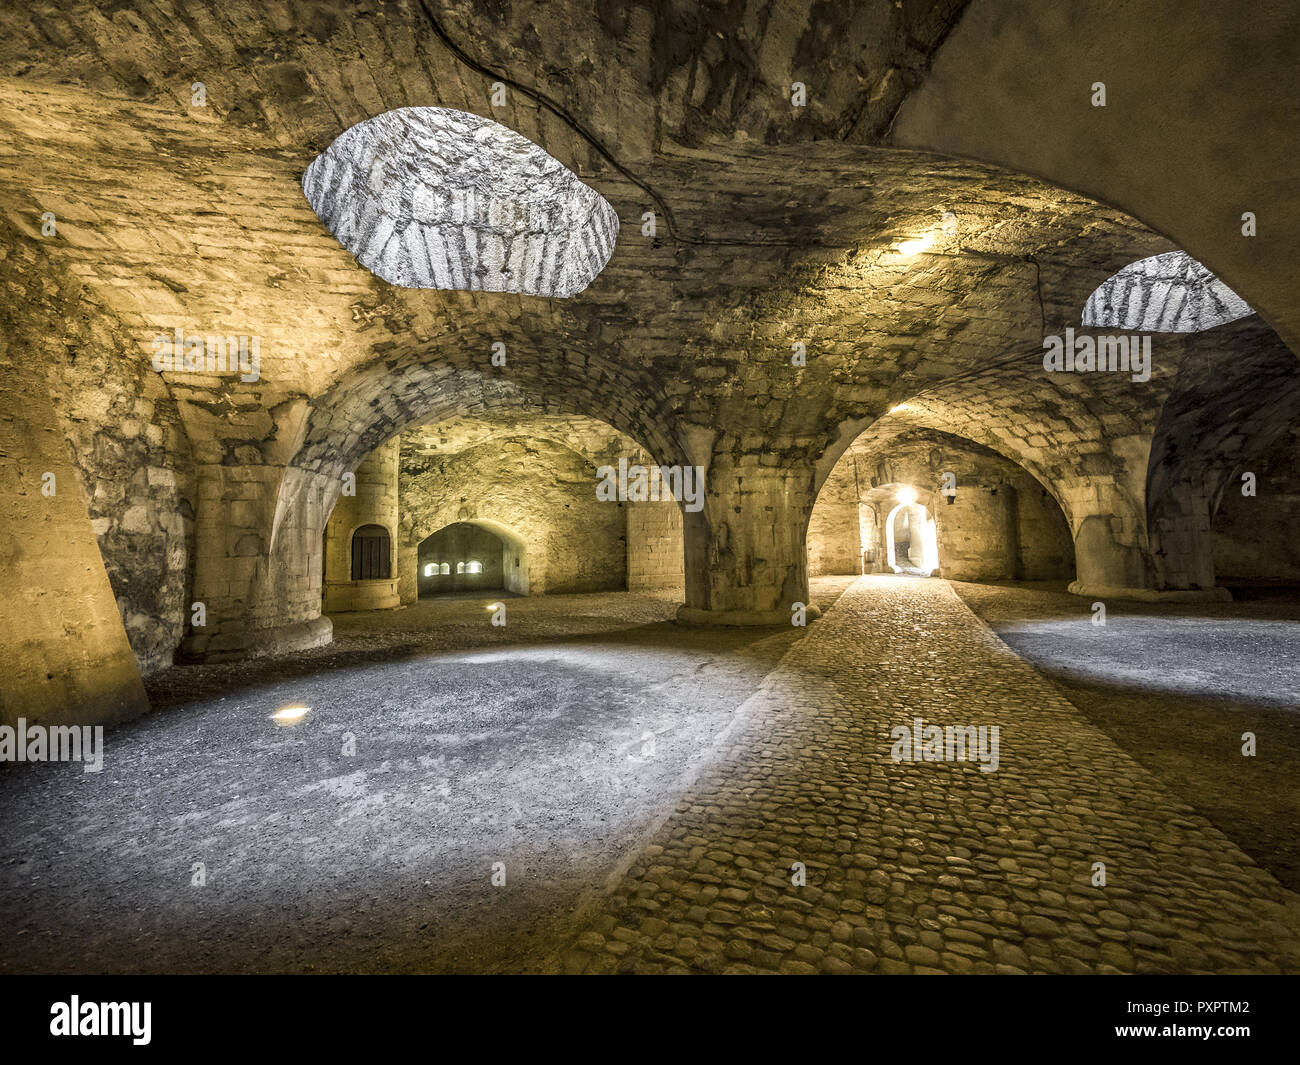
<point x="255" y="643"/>
<point x="1151" y="595"/>
<point x="689" y="615"/>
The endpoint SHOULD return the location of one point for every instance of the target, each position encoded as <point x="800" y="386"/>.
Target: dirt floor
<point x="551" y="746"/>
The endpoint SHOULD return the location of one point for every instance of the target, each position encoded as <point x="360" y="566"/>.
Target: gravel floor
<point x="550" y="746"/>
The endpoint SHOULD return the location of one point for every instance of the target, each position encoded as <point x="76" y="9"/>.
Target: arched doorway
<point x="465" y="557"/>
<point x="911" y="539"/>
<point x="371" y="554"/>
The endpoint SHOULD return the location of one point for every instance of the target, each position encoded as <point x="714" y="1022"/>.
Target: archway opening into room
<point x="911" y="540"/>
<point x="465" y="557"/>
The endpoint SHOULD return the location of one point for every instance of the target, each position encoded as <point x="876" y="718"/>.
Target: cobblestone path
<point x="929" y="867"/>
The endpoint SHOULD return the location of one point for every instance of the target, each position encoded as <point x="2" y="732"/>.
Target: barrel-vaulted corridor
<point x="660" y="487"/>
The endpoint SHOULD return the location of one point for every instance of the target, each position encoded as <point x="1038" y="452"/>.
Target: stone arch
<point x="377" y="401"/>
<point x="1002" y="522"/>
<point x="514" y="548"/>
<point x="539" y="497"/>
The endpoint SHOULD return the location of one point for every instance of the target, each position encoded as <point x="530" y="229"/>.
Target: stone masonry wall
<point x="540" y="491"/>
<point x="1255" y="538"/>
<point x="1002" y="524"/>
<point x="375" y="503"/>
<point x="127" y="445"/>
<point x="65" y="652"/>
<point x="654" y="549"/>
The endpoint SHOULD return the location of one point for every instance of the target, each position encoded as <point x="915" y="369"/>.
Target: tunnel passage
<point x="911" y="543"/>
<point x="904" y="498"/>
<point x="464" y="557"/>
<point x="526" y="478"/>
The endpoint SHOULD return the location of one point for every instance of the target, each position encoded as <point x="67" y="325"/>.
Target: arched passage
<point x="471" y="556"/>
<point x="978" y="515"/>
<point x="911" y="542"/>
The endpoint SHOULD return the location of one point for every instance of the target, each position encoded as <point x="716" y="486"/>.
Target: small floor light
<point x="290" y="715"/>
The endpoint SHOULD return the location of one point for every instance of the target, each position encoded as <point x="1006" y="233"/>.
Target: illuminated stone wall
<point x="375" y="503"/>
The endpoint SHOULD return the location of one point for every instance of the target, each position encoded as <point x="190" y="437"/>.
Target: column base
<point x="1151" y="595"/>
<point x="234" y="645"/>
<point x="689" y="615"/>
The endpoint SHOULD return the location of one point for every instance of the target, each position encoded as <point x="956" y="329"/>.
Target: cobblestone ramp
<point x="930" y="867"/>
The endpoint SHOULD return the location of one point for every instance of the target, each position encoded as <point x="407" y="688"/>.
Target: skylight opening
<point x="429" y="197"/>
<point x="1169" y="293"/>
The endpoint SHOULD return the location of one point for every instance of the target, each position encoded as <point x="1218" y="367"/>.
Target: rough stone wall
<point x="458" y="544"/>
<point x="979" y="534"/>
<point x="1046" y="547"/>
<point x="541" y="492"/>
<point x="654" y="549"/>
<point x="1255" y="538"/>
<point x="126" y="443"/>
<point x="834" y="530"/>
<point x="375" y="503"/>
<point x="65" y="652"/>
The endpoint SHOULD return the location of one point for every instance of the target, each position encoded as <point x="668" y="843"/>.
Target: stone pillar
<point x="746" y="554"/>
<point x="375" y="503"/>
<point x="1113" y="557"/>
<point x="257" y="565"/>
<point x="66" y="657"/>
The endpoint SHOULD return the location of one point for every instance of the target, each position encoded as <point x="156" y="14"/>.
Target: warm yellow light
<point x="896" y="409"/>
<point x="911" y="247"/>
<point x="907" y="496"/>
<point x="290" y="715"/>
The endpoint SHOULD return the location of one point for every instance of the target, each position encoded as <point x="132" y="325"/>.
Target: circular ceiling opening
<point x="1169" y="293"/>
<point x="429" y="197"/>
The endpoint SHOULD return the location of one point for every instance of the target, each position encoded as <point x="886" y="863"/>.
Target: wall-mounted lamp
<point x="913" y="247"/>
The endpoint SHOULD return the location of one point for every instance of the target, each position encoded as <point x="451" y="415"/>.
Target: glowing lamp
<point x="913" y="247"/>
<point x="290" y="715"/>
